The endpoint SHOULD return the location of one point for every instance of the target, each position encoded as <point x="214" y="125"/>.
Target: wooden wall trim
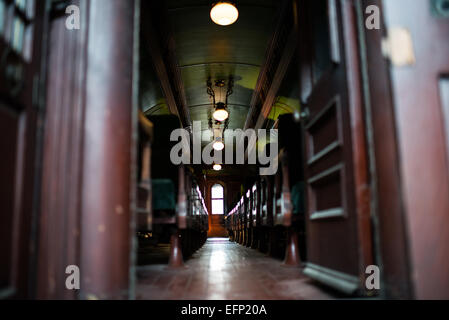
<point x="422" y="144"/>
<point x="107" y="158"/>
<point x="163" y="54"/>
<point x="273" y="69"/>
<point x="391" y="248"/>
<point x="59" y="219"/>
<point x="87" y="184"/>
<point x="276" y="83"/>
<point x="358" y="127"/>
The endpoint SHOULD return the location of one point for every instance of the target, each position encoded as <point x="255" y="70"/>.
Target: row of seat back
<point x="165" y="175"/>
<point x="144" y="195"/>
<point x="197" y="211"/>
<point x="266" y="199"/>
<point x="173" y="186"/>
<point x="161" y="165"/>
<point x="244" y="204"/>
<point x="168" y="197"/>
<point x="248" y="210"/>
<point x="230" y="218"/>
<point x="272" y="201"/>
<point x="255" y="203"/>
<point x="289" y="193"/>
<point x="246" y="213"/>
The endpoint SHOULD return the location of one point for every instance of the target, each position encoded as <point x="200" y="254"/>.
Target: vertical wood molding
<point x="360" y="155"/>
<point x="423" y="171"/>
<point x="276" y="62"/>
<point x="59" y="225"/>
<point x="160" y="41"/>
<point x="87" y="183"/>
<point x="342" y="155"/>
<point x="106" y="183"/>
<point x="59" y="219"/>
<point x="391" y="249"/>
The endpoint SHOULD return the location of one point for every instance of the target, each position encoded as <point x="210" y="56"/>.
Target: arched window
<point x="217" y="199"/>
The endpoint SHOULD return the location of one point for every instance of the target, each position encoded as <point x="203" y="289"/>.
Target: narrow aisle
<point x="223" y="270"/>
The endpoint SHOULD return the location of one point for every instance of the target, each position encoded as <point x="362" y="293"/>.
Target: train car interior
<point x="224" y="150"/>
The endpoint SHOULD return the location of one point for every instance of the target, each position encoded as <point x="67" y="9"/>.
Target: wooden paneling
<point x="422" y="145"/>
<point x="338" y="224"/>
<point x="407" y="106"/>
<point x="20" y="102"/>
<point x="444" y="93"/>
<point x="158" y="37"/>
<point x="63" y="141"/>
<point x="91" y="125"/>
<point x="107" y="153"/>
<point x="8" y="145"/>
<point x="392" y="251"/>
<point x="280" y="51"/>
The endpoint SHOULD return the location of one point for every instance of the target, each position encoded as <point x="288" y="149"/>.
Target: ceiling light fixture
<point x="218" y="144"/>
<point x="224" y="13"/>
<point x="220" y="113"/>
<point x="219" y="118"/>
<point x="219" y="97"/>
<point x="217" y="167"/>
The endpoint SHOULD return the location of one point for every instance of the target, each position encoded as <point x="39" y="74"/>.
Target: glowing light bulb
<point x="220" y="115"/>
<point x="217" y="167"/>
<point x="224" y="13"/>
<point x="218" y="145"/>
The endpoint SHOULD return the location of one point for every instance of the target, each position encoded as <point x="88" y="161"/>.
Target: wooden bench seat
<point x="270" y="214"/>
<point x="169" y="202"/>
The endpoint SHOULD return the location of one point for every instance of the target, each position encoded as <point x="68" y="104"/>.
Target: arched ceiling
<point x="182" y="48"/>
<point x="204" y="49"/>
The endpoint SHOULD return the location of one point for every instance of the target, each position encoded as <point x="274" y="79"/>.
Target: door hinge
<point x="398" y="47"/>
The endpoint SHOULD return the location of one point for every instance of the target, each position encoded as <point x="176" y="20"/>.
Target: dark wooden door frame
<point x="386" y="200"/>
<point x="21" y="90"/>
<point x="87" y="211"/>
<point x="355" y="186"/>
<point x="410" y="154"/>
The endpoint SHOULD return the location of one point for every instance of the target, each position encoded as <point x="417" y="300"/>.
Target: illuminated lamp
<point x="224" y="13"/>
<point x="220" y="113"/>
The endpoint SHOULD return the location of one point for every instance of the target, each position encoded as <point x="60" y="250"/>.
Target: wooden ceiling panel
<point x="199" y="40"/>
<point x="205" y="50"/>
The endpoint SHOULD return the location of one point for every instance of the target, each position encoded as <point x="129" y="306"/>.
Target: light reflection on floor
<point x="223" y="270"/>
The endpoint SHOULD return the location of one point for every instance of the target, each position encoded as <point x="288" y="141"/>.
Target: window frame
<point x="212" y="199"/>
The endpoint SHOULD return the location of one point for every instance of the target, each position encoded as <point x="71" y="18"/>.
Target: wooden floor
<point x="223" y="270"/>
